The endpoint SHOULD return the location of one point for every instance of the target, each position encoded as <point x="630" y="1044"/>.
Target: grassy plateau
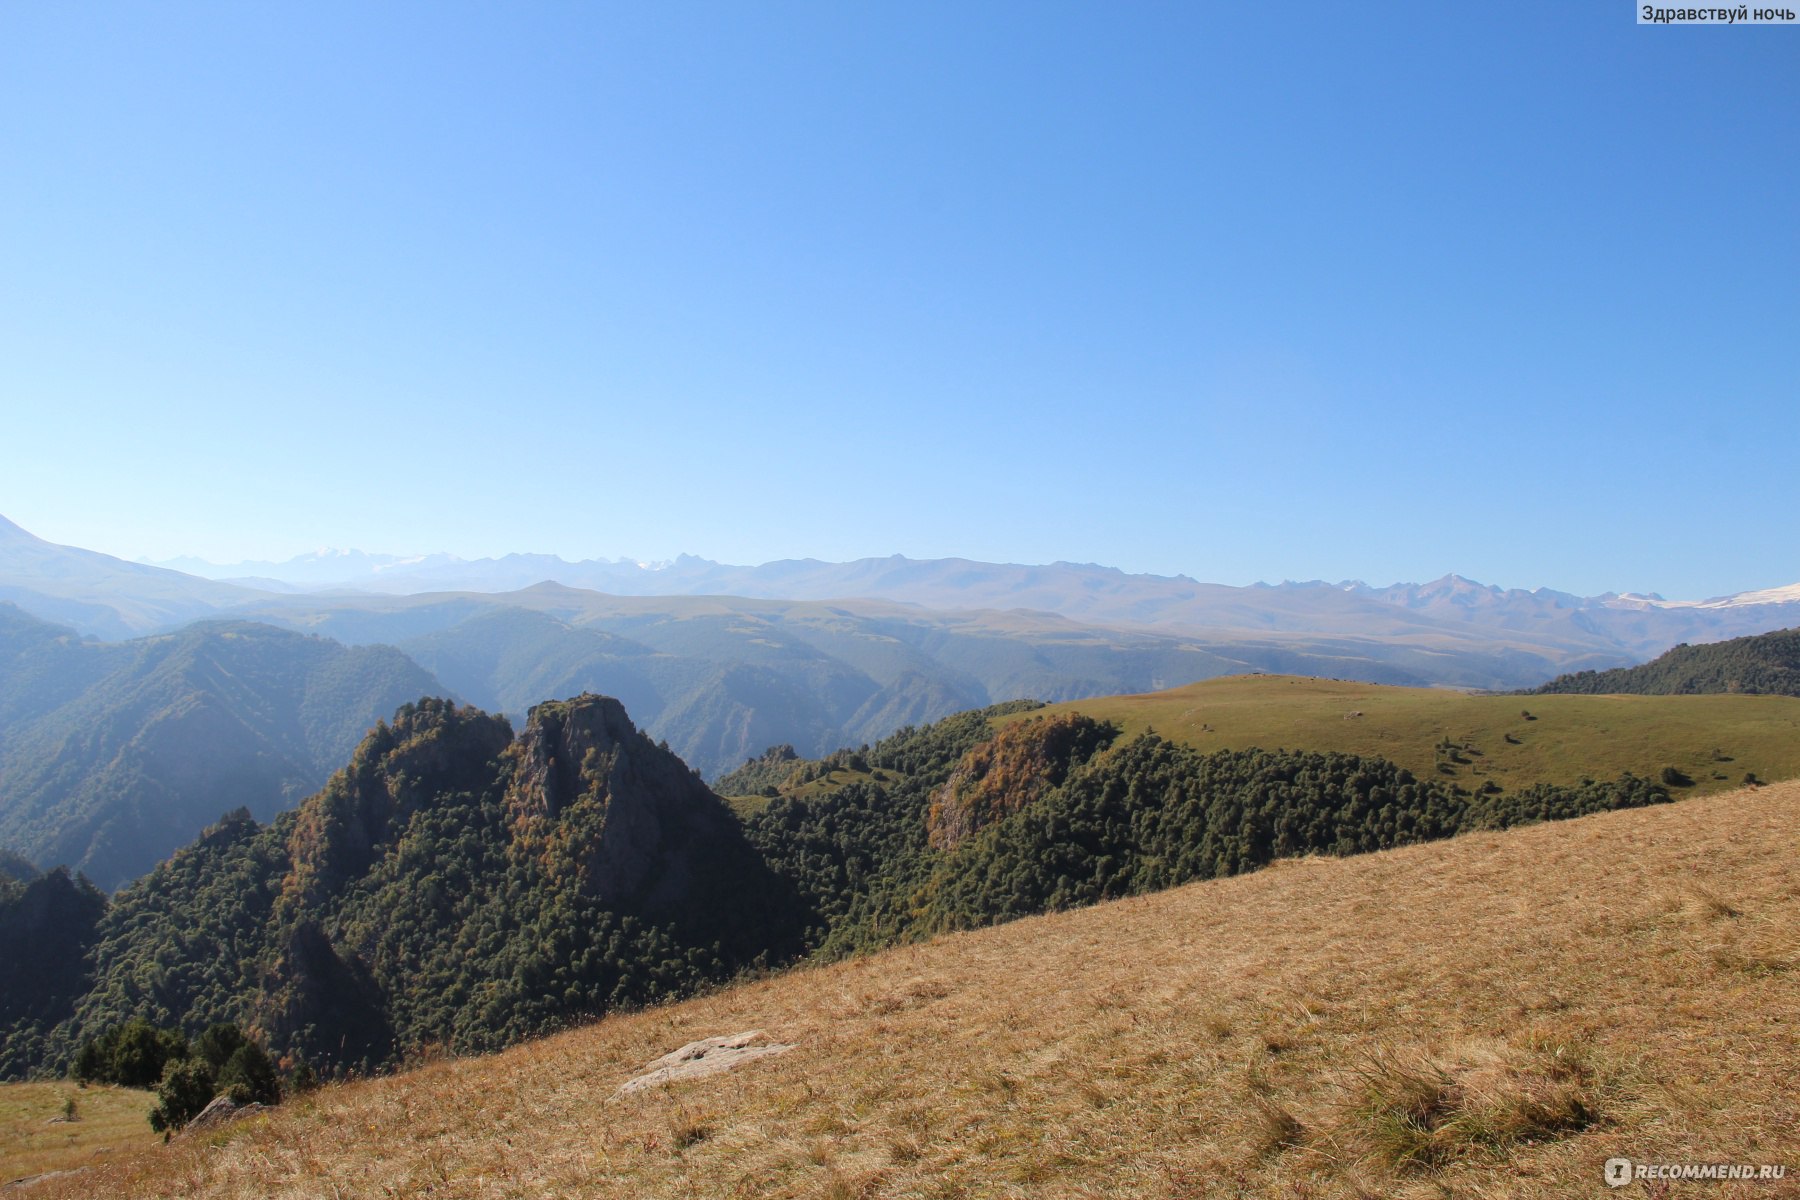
<point x="1713" y="740"/>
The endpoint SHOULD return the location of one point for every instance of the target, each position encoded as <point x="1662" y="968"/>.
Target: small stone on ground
<point x="707" y="1057"/>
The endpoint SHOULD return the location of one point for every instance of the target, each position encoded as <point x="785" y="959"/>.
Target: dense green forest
<point x="874" y="864"/>
<point x="1767" y="664"/>
<point x="16" y="868"/>
<point x="47" y="929"/>
<point x="456" y="886"/>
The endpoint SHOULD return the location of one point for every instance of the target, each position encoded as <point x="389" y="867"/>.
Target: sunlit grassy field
<point x="37" y="1134"/>
<point x="1713" y="740"/>
<point x="1494" y="1015"/>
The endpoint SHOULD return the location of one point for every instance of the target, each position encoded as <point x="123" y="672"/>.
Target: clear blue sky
<point x="1242" y="291"/>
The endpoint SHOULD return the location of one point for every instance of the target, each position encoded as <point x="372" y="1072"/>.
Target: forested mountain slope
<point x="1767" y="664"/>
<point x="450" y="885"/>
<point x="957" y="825"/>
<point x="114" y="754"/>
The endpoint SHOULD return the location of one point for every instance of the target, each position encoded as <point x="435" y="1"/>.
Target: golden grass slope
<point x="38" y="1134"/>
<point x="1490" y="1016"/>
<point x="1714" y="740"/>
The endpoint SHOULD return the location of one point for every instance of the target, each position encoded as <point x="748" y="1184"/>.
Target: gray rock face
<point x="222" y="1111"/>
<point x="642" y="825"/>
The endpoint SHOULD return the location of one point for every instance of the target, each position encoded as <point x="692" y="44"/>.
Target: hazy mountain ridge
<point x="1438" y="624"/>
<point x="721" y="679"/>
<point x="1633" y="626"/>
<point x="724" y="661"/>
<point x="112" y="754"/>
<point x="100" y="594"/>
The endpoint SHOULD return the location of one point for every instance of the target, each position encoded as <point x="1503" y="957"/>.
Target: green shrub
<point x="187" y="1087"/>
<point x="219" y="1043"/>
<point x="248" y="1077"/>
<point x="134" y="1054"/>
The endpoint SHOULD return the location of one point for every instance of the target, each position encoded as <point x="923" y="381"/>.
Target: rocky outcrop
<point x="222" y="1111"/>
<point x="1010" y="770"/>
<point x="709" y="1056"/>
<point x="453" y="886"/>
<point x="644" y="832"/>
<point x="431" y="748"/>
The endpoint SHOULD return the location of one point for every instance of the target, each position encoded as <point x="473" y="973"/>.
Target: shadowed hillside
<point x="114" y="754"/>
<point x="1495" y="1015"/>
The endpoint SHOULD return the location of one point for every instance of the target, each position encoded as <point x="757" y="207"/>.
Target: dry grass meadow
<point x="55" y="1126"/>
<point x="1491" y="1016"/>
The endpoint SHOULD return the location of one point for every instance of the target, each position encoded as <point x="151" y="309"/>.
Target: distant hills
<point x="723" y="678"/>
<point x="1767" y="664"/>
<point x="100" y="594"/>
<point x="112" y="754"/>
<point x="1452" y="631"/>
<point x="1630" y="627"/>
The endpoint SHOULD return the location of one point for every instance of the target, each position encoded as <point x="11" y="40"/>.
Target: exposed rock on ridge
<point x="632" y="810"/>
<point x="1010" y="770"/>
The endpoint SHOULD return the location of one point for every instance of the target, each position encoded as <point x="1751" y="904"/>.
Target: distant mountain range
<point x="1452" y="631"/>
<point x="1628" y="626"/>
<point x="719" y="661"/>
<point x="949" y="582"/>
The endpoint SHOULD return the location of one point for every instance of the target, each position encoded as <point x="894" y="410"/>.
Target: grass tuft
<point x="686" y="1130"/>
<point x="1275" y="1129"/>
<point x="1414" y="1111"/>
